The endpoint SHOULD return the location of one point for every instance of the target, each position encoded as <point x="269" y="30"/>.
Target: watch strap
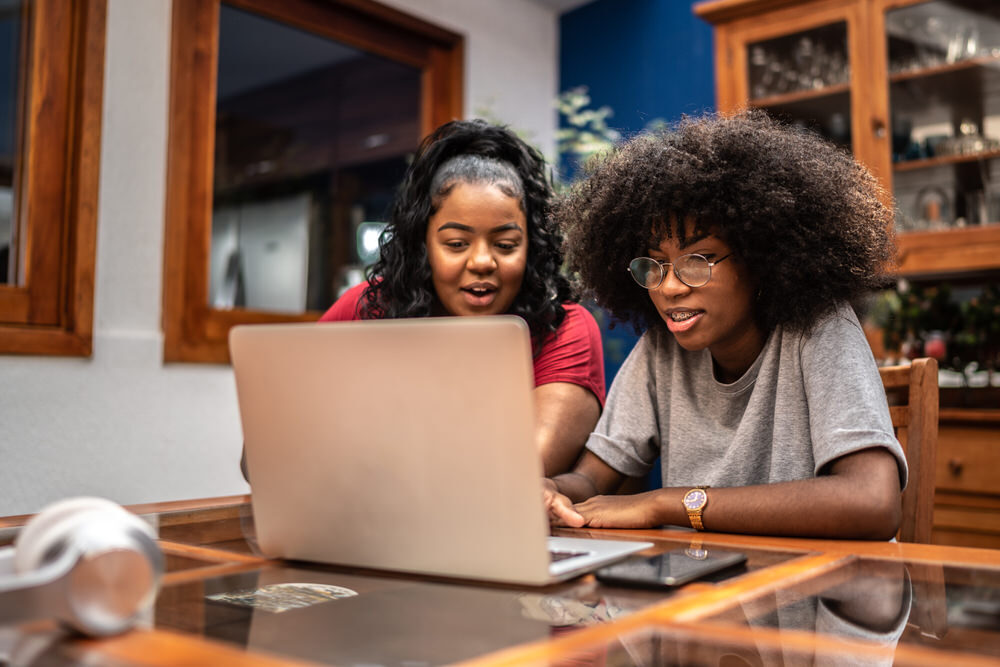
<point x="694" y="508"/>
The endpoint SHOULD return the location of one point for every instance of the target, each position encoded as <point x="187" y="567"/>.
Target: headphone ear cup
<point x="42" y="531"/>
<point x="116" y="567"/>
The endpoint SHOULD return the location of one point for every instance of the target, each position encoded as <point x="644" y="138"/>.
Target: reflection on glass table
<point x="368" y="619"/>
<point x="348" y="616"/>
<point x="888" y="603"/>
<point x="862" y="613"/>
<point x="667" y="647"/>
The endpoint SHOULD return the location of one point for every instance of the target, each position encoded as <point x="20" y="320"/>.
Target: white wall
<point x="511" y="59"/>
<point x="122" y="424"/>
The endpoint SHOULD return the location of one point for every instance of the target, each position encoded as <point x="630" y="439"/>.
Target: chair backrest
<point x="912" y="392"/>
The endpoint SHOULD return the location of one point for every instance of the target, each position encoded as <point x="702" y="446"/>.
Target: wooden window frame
<point x="193" y="331"/>
<point x="49" y="311"/>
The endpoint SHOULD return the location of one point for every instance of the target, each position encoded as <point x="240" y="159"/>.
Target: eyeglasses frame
<point x="663" y="274"/>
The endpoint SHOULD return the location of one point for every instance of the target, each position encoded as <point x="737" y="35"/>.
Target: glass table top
<point x="331" y="614"/>
<point x="888" y="603"/>
<point x="220" y="588"/>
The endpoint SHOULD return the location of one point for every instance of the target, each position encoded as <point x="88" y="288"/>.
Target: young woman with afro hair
<point x="737" y="245"/>
<point x="471" y="234"/>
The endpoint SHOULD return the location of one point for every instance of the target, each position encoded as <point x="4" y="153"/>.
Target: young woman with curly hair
<point x="737" y="244"/>
<point x="470" y="234"/>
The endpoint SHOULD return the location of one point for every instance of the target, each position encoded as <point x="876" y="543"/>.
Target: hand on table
<point x="631" y="511"/>
<point x="559" y="507"/>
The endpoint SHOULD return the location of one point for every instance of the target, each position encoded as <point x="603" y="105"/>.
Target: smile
<point x="479" y="295"/>
<point x="682" y="320"/>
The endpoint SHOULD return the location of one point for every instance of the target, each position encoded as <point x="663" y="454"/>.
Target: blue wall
<point x="647" y="60"/>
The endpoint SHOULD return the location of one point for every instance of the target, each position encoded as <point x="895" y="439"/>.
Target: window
<point x="290" y="128"/>
<point x="51" y="86"/>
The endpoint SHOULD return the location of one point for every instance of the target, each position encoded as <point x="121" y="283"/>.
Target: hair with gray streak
<point x="469" y="151"/>
<point x="476" y="170"/>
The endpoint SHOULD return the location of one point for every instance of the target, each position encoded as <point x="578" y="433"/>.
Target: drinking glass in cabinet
<point x="940" y="33"/>
<point x="811" y="60"/>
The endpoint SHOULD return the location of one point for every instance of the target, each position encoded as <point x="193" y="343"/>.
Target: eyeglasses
<point x="692" y="270"/>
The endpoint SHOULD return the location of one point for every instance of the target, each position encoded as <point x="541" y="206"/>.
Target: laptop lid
<point x="396" y="444"/>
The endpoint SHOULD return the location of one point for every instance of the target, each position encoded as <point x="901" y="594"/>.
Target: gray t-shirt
<point x="808" y="399"/>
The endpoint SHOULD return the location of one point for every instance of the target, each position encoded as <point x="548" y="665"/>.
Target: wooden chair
<point x="912" y="392"/>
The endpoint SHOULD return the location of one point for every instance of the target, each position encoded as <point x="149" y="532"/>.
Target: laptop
<point x="402" y="445"/>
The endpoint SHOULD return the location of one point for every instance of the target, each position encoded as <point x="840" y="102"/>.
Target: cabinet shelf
<point x="967" y="415"/>
<point x="949" y="251"/>
<point x="947" y="68"/>
<point x="926" y="163"/>
<point x="801" y="96"/>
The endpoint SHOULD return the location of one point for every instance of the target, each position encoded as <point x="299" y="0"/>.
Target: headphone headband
<point x="86" y="561"/>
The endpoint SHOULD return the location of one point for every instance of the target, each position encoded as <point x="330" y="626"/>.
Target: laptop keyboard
<point x="555" y="556"/>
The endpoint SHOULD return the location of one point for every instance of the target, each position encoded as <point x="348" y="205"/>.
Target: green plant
<point x="909" y="315"/>
<point x="978" y="336"/>
<point x="584" y="132"/>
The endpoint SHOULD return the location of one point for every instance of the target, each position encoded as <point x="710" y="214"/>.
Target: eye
<point x="507" y="245"/>
<point x="456" y="244"/>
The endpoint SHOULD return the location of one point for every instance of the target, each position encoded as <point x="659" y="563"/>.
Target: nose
<point x="481" y="259"/>
<point x="671" y="285"/>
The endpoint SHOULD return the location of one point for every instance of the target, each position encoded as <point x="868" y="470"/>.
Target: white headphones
<point x="88" y="562"/>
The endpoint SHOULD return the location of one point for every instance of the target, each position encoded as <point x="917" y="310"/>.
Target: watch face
<point x="695" y="499"/>
<point x="697" y="554"/>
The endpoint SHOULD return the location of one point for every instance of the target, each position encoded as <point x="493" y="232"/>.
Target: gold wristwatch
<point x="694" y="502"/>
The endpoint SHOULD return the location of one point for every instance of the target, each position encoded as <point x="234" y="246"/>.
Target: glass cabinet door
<point x="804" y="78"/>
<point x="944" y="98"/>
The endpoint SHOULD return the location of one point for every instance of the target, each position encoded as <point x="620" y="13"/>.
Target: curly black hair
<point x="400" y="283"/>
<point x="809" y="222"/>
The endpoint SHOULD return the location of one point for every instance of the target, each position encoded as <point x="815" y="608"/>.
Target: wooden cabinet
<point x="912" y="88"/>
<point x="967" y="493"/>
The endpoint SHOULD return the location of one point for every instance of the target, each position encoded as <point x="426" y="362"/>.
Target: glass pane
<point x="889" y="603"/>
<point x="944" y="94"/>
<point x="397" y="620"/>
<point x="11" y="30"/>
<point x="312" y="138"/>
<point x="653" y="646"/>
<point x="803" y="78"/>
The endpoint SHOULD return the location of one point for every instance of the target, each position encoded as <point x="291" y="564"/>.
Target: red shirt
<point x="573" y="354"/>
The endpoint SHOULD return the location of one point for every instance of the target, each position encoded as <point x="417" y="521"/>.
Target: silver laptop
<point x="403" y="445"/>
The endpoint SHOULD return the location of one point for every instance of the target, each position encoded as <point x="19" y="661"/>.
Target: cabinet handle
<point x="878" y="128"/>
<point x="955" y="467"/>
